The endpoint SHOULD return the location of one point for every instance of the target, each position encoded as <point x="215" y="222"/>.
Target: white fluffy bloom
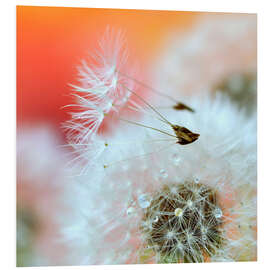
<point x="101" y="79"/>
<point x="153" y="190"/>
<point x="85" y="122"/>
<point x="102" y="88"/>
<point x="148" y="199"/>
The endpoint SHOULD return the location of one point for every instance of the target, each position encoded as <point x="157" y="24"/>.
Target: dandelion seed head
<point x="143" y="207"/>
<point x="170" y="197"/>
<point x="185" y="200"/>
<point x="179" y="222"/>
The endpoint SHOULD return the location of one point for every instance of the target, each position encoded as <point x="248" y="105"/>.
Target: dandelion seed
<point x="163" y="174"/>
<point x="178" y="106"/>
<point x="184" y="135"/>
<point x="181" y="106"/>
<point x="101" y="90"/>
<point x="176" y="159"/>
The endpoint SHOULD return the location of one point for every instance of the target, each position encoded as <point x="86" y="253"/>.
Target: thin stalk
<point x="150" y="106"/>
<point x="147" y="86"/>
<point x="141" y="125"/>
<point x="138" y="156"/>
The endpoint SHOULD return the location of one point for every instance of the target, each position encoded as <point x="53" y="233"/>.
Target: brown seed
<point x="184" y="135"/>
<point x="181" y="106"/>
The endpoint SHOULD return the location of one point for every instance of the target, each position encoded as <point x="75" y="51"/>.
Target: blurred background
<point x="51" y="42"/>
<point x="190" y="51"/>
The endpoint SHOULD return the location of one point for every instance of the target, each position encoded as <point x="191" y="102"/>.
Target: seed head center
<point x="183" y="221"/>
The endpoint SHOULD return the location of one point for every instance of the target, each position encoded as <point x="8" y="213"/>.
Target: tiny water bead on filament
<point x="188" y="223"/>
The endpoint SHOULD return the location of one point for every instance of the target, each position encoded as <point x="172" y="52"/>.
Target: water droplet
<point x="196" y="180"/>
<point x="217" y="213"/>
<point x="204" y="237"/>
<point x="147" y="224"/>
<point x="130" y="211"/>
<point x="163" y="174"/>
<point x="176" y="159"/>
<point x="170" y="234"/>
<point x="132" y="203"/>
<point x="178" y="212"/>
<point x="125" y="166"/>
<point x="143" y="201"/>
<point x="189" y="203"/>
<point x="174" y="190"/>
<point x="204" y="230"/>
<point x="155" y="219"/>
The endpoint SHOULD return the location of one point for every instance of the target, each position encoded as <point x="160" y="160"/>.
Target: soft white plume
<point x="139" y="162"/>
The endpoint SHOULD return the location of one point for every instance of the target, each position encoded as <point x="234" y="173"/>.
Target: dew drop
<point x="170" y="234"/>
<point x="196" y="180"/>
<point x="189" y="203"/>
<point x="163" y="174"/>
<point x="180" y="247"/>
<point x="143" y="201"/>
<point x="217" y="213"/>
<point x="176" y="159"/>
<point x="125" y="166"/>
<point x="204" y="230"/>
<point x="130" y="211"/>
<point x="178" y="212"/>
<point x="155" y="219"/>
<point x="174" y="190"/>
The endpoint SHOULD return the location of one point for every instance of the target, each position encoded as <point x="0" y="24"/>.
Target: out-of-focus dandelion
<point x="218" y="48"/>
<point x="40" y="180"/>
<point x="158" y="194"/>
<point x="242" y="89"/>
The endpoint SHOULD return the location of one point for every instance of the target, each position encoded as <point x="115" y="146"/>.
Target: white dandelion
<point x="174" y="186"/>
<point x="163" y="202"/>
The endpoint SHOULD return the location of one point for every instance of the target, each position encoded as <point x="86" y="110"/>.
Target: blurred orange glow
<point x="51" y="41"/>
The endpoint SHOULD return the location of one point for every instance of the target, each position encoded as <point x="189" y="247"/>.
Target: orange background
<point x="51" y="42"/>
